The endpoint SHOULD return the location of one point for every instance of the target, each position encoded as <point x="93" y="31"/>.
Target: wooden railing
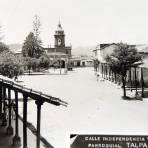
<point x="6" y="89"/>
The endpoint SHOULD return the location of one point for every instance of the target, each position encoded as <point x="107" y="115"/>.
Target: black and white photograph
<point x="73" y="74"/>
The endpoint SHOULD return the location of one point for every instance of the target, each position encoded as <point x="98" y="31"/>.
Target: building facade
<point x="137" y="73"/>
<point x="60" y="54"/>
<point x="82" y="61"/>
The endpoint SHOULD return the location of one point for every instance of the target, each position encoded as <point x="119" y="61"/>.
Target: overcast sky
<point x="85" y="22"/>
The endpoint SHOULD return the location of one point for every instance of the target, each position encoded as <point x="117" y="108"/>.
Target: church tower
<point x="59" y="37"/>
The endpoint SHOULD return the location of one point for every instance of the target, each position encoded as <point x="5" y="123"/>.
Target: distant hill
<point x="15" y="47"/>
<point x="88" y="50"/>
<point x="81" y="50"/>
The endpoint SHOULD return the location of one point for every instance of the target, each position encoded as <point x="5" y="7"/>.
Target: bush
<point x="44" y="62"/>
<point x="10" y="66"/>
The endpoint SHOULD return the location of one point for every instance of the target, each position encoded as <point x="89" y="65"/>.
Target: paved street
<point x="95" y="107"/>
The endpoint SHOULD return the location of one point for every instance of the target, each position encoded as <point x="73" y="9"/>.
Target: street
<point x="95" y="107"/>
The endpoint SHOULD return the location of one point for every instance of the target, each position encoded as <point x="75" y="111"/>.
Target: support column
<point x="4" y="120"/>
<point x="112" y="75"/>
<point x="118" y="79"/>
<point x="9" y="128"/>
<point x="142" y="83"/>
<point x="60" y="65"/>
<point x="98" y="67"/>
<point x="130" y="77"/>
<point x="1" y="102"/>
<point x="136" y="82"/>
<point x="39" y="103"/>
<point x="102" y="69"/>
<point x="109" y="72"/>
<point x="25" y="97"/>
<point x="16" y="138"/>
<point x="105" y="71"/>
<point x="115" y="75"/>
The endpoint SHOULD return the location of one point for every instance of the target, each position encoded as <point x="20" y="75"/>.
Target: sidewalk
<point x="129" y="93"/>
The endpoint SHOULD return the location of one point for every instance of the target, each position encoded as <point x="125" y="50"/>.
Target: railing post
<point x="4" y="120"/>
<point x="1" y="101"/>
<point x="9" y="128"/>
<point x="16" y="138"/>
<point x="39" y="103"/>
<point x="25" y="97"/>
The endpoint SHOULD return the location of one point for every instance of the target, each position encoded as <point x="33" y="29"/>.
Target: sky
<point x="85" y="22"/>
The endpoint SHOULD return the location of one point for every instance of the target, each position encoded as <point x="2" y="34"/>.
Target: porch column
<point x="39" y="103"/>
<point x="112" y="76"/>
<point x="16" y="138"/>
<point x="1" y="101"/>
<point x="136" y="81"/>
<point x="25" y="98"/>
<point x="98" y="67"/>
<point x="60" y="65"/>
<point x="4" y="120"/>
<point x="102" y="69"/>
<point x="115" y="75"/>
<point x="142" y="83"/>
<point x="105" y="71"/>
<point x="130" y="77"/>
<point x="109" y="72"/>
<point x="9" y="128"/>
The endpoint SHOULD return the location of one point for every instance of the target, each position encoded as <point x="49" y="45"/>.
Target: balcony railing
<point x="6" y="89"/>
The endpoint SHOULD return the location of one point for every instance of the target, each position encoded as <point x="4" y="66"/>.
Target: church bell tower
<point x="59" y="37"/>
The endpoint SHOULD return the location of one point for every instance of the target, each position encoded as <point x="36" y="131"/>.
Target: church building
<point x="60" y="53"/>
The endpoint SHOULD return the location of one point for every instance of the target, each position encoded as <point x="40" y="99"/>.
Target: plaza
<point x="94" y="107"/>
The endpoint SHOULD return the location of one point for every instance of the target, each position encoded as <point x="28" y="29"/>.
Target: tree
<point x="3" y="47"/>
<point x="10" y="66"/>
<point x="32" y="64"/>
<point x="44" y="61"/>
<point x="37" y="29"/>
<point x="31" y="48"/>
<point x="122" y="58"/>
